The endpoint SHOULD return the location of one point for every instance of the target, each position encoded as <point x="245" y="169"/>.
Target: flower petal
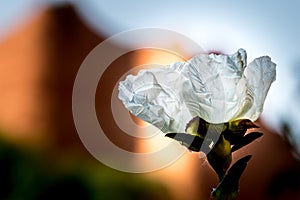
<point x="260" y="74"/>
<point x="154" y="95"/>
<point x="213" y="87"/>
<point x="212" y="91"/>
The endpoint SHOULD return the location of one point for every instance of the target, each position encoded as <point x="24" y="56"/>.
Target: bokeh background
<point x="42" y="45"/>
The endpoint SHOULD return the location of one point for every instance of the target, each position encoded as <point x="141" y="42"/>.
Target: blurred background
<point x="42" y="45"/>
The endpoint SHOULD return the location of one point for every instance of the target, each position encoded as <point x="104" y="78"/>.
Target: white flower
<point x="217" y="88"/>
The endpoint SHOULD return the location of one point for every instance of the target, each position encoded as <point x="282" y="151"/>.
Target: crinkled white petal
<point x="217" y="88"/>
<point x="259" y="74"/>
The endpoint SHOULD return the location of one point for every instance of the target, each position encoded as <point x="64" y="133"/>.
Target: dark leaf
<point x="237" y="129"/>
<point x="192" y="142"/>
<point x="247" y="139"/>
<point x="228" y="187"/>
<point x="220" y="157"/>
<point x="197" y="126"/>
<point x="192" y="126"/>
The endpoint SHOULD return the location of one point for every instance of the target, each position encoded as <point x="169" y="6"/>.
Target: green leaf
<point x="220" y="157"/>
<point x="237" y="129"/>
<point x="192" y="142"/>
<point x="228" y="187"/>
<point x="247" y="139"/>
<point x="197" y="126"/>
<point x="199" y="135"/>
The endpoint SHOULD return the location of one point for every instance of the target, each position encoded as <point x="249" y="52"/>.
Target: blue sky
<point x="261" y="27"/>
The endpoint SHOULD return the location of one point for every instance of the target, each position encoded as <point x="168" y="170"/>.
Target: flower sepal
<point x="218" y="142"/>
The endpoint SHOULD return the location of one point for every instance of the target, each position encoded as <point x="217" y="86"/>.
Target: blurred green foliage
<point x="24" y="175"/>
